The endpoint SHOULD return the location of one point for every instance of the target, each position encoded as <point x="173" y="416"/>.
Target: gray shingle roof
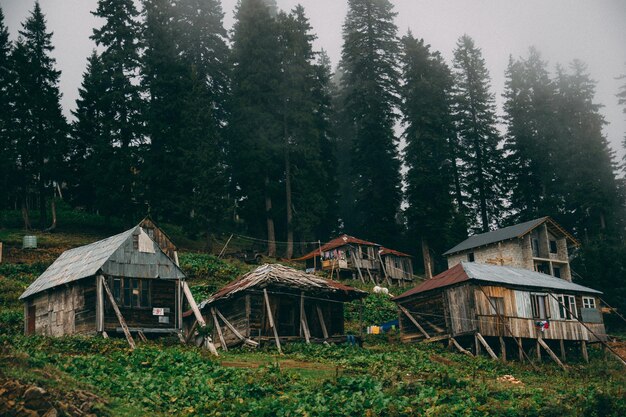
<point x="518" y="276"/>
<point x="114" y="255"/>
<point x="499" y="235"/>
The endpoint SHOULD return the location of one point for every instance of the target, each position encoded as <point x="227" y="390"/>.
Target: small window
<point x="135" y="242"/>
<point x="553" y="247"/>
<point x="496" y="306"/>
<point x="540" y="306"/>
<point x="117" y="290"/>
<point x="535" y="246"/>
<point x="543" y="268"/>
<point x="589" y="302"/>
<point x="470" y="257"/>
<point x="557" y="271"/>
<point x="567" y="307"/>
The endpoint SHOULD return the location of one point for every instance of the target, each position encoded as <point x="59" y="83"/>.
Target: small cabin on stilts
<point x="502" y="310"/>
<point x="277" y="304"/>
<point x="125" y="284"/>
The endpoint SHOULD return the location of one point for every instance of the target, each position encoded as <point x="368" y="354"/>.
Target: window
<point x="496" y="306"/>
<point x="557" y="271"/>
<point x="589" y="302"/>
<point x="540" y="306"/>
<point x="553" y="247"/>
<point x="535" y="246"/>
<point x="567" y="307"/>
<point x="135" y="242"/>
<point x="131" y="292"/>
<point x="470" y="257"/>
<point x="543" y="268"/>
<point x="363" y="252"/>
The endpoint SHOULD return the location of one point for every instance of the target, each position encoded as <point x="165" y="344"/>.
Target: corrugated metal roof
<point x="387" y="251"/>
<point x="335" y="243"/>
<point x="283" y="276"/>
<point x="114" y="255"/>
<point x="497" y="235"/>
<point x="507" y="275"/>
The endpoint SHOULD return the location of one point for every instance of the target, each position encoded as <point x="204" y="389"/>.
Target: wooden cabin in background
<point x="277" y="304"/>
<point x="353" y="258"/>
<point x="501" y="307"/>
<point x="539" y="245"/>
<point x="123" y="284"/>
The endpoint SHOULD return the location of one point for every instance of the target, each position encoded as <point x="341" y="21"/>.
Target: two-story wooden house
<point x="350" y="257"/>
<point x="538" y="245"/>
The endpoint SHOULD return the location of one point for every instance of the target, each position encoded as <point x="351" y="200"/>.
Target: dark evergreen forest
<point x="251" y="131"/>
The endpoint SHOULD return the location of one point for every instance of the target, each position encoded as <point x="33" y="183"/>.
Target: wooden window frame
<point x="125" y="284"/>
<point x="534" y="304"/>
<point x="570" y="302"/>
<point x="587" y="304"/>
<point x="552" y="244"/>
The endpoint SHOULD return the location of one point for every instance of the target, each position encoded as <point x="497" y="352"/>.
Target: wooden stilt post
<point x="357" y="266"/>
<point x="419" y="327"/>
<point x="320" y="315"/>
<point x="562" y="346"/>
<point x="218" y="329"/>
<point x="304" y="324"/>
<point x="483" y="342"/>
<point x="271" y="319"/>
<point x="502" y="349"/>
<point x="456" y="344"/>
<point x="520" y="348"/>
<point x="99" y="304"/>
<point x="538" y="351"/>
<point x="583" y="349"/>
<point x="551" y="353"/>
<point x="196" y="311"/>
<point x="477" y="345"/>
<point x="235" y="331"/>
<point x="120" y="318"/>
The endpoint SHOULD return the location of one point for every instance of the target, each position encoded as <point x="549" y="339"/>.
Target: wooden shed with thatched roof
<point x="276" y="304"/>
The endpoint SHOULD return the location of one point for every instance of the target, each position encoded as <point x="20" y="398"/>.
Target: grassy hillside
<point x="82" y="376"/>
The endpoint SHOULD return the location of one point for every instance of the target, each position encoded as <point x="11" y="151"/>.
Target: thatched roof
<point x="284" y="277"/>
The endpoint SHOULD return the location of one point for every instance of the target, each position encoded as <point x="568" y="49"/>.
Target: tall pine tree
<point x="118" y="38"/>
<point x="475" y="117"/>
<point x="369" y="81"/>
<point x="7" y="132"/>
<point x="255" y="127"/>
<point x="428" y="156"/>
<point x="41" y="141"/>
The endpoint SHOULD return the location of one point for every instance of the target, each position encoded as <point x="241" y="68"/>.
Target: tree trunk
<point x="53" y="206"/>
<point x="428" y="269"/>
<point x="289" y="252"/>
<point x="43" y="209"/>
<point x="25" y="215"/>
<point x="271" y="237"/>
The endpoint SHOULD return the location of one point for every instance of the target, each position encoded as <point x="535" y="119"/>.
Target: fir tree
<point x="474" y="111"/>
<point x="7" y="132"/>
<point x="370" y="82"/>
<point x="531" y="138"/>
<point x="255" y="133"/>
<point x="429" y="131"/>
<point x="90" y="149"/>
<point x="118" y="38"/>
<point x="41" y="125"/>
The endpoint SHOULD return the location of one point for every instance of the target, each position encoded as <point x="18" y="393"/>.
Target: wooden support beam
<point x="583" y="349"/>
<point x="191" y="332"/>
<point x="520" y="349"/>
<point x="502" y="349"/>
<point x="235" y="331"/>
<point x="431" y="324"/>
<point x="477" y="345"/>
<point x="459" y="347"/>
<point x="562" y="346"/>
<point x="99" y="304"/>
<point x="304" y="324"/>
<point x="382" y="266"/>
<point x="271" y="319"/>
<point x="196" y="312"/>
<point x="218" y="329"/>
<point x="353" y="256"/>
<point x="142" y="336"/>
<point x="105" y="335"/>
<point x="408" y="314"/>
<point x="550" y="353"/>
<point x="437" y="338"/>
<point x="320" y="315"/>
<point x="538" y="351"/>
<point x="483" y="342"/>
<point x="120" y="318"/>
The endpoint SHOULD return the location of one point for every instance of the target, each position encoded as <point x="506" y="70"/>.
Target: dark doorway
<point x="32" y="313"/>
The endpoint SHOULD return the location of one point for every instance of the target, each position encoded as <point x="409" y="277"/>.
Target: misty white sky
<point x="593" y="31"/>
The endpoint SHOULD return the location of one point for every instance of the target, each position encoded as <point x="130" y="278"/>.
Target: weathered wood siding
<point x="402" y="271"/>
<point x="64" y="310"/>
<point x="163" y="294"/>
<point x="461" y="308"/>
<point x="160" y="238"/>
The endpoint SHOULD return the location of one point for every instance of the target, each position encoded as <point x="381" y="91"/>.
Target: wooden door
<point x="32" y="313"/>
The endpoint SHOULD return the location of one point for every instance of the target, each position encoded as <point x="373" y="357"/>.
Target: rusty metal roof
<point x="504" y="275"/>
<point x="336" y="243"/>
<point x="387" y="251"/>
<point x="114" y="255"/>
<point x="285" y="277"/>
